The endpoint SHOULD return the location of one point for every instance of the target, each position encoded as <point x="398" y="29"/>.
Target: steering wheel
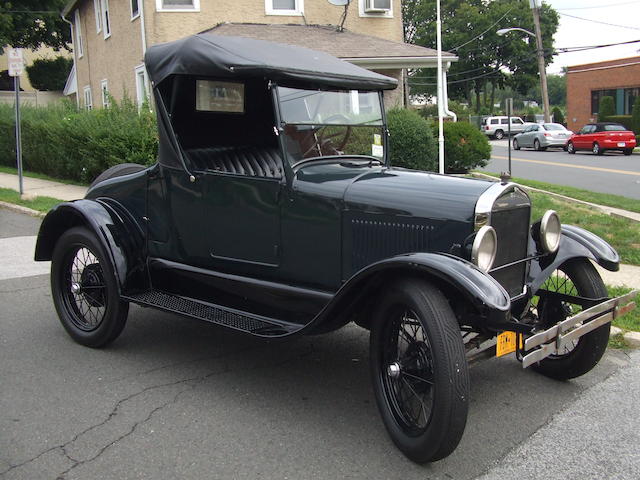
<point x="327" y="140"/>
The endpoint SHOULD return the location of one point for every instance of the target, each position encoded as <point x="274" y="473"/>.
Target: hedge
<point x="465" y="147"/>
<point x="65" y="143"/>
<point x="635" y="116"/>
<point x="411" y="141"/>
<point x="49" y="74"/>
<point x="606" y="108"/>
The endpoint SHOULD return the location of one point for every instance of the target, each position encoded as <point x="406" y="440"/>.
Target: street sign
<point x="16" y="62"/>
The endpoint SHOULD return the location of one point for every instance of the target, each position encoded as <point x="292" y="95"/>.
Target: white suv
<point x="499" y="126"/>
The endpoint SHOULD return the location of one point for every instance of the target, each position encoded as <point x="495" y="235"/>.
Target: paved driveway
<point x="176" y="398"/>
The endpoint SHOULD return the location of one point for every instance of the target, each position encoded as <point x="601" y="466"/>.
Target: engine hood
<point x="408" y="193"/>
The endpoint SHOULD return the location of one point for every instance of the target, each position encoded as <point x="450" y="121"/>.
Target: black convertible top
<point x="206" y="54"/>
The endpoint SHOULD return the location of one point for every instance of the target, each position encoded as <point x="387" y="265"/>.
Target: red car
<point x="600" y="137"/>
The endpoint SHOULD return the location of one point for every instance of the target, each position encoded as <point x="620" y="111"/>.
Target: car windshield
<point x="319" y="123"/>
<point x="553" y="126"/>
<point x="613" y="128"/>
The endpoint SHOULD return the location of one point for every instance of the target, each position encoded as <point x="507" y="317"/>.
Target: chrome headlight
<point x="485" y="246"/>
<point x="550" y="229"/>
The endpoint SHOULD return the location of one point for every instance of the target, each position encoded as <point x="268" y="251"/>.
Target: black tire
<point x="571" y="148"/>
<point x="516" y="145"/>
<point x="628" y="151"/>
<point x="432" y="364"/>
<point x="117" y="171"/>
<point x="596" y="149"/>
<point x="93" y="315"/>
<point x="587" y="352"/>
<point x="499" y="134"/>
<point x="536" y="145"/>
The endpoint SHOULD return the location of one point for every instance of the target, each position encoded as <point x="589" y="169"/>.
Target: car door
<point x="587" y="137"/>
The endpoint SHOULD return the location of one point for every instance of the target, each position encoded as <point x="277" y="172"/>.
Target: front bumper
<point x="550" y="341"/>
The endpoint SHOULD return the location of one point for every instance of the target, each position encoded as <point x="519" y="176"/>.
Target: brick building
<point x="586" y="84"/>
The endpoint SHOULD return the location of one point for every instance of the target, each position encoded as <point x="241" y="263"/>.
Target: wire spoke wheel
<point x="574" y="278"/>
<point x="419" y="370"/>
<point x="85" y="290"/>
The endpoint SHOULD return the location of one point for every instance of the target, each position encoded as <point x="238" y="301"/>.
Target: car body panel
<point x="593" y="133"/>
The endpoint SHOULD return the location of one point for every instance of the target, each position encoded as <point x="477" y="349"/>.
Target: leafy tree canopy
<point x="489" y="59"/>
<point x="49" y="74"/>
<point x="31" y="23"/>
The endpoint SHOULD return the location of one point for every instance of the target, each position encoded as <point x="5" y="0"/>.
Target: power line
<point x="597" y="6"/>
<point x="598" y="21"/>
<point x="478" y="36"/>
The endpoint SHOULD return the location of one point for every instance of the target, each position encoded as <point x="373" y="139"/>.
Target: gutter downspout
<point x="440" y="91"/>
<point x="75" y="57"/>
<point x="445" y="104"/>
<point x="143" y="32"/>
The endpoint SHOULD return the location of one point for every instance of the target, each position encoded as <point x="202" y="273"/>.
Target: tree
<point x="49" y="74"/>
<point x="635" y="116"/>
<point x="558" y="117"/>
<point x="32" y="23"/>
<point x="486" y="61"/>
<point x="606" y="108"/>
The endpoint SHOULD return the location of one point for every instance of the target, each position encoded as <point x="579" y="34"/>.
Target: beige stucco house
<point x="110" y="36"/>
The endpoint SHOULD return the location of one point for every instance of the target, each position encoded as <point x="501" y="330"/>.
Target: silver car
<point x="542" y="136"/>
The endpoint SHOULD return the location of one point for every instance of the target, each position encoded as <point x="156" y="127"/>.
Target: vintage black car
<point x="273" y="210"/>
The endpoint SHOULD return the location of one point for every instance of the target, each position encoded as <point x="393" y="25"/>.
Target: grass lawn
<point x="41" y="176"/>
<point x="41" y="204"/>
<point x="622" y="234"/>
<point x="630" y="321"/>
<point x="606" y="199"/>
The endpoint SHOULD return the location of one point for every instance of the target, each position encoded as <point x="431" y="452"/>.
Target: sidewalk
<point x="43" y="188"/>
<point x="629" y="275"/>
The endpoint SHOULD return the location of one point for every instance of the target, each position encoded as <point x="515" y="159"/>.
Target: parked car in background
<point x="498" y="127"/>
<point x="541" y="137"/>
<point x="600" y="137"/>
<point x="273" y="210"/>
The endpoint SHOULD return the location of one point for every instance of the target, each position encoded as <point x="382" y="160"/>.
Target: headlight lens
<point x="485" y="245"/>
<point x="550" y="229"/>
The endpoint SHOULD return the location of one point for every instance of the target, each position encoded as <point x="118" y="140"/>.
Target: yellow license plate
<point x="506" y="343"/>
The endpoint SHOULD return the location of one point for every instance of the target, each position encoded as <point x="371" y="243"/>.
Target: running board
<point x="256" y="325"/>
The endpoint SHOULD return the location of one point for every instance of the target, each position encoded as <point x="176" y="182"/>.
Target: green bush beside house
<point x="606" y="108"/>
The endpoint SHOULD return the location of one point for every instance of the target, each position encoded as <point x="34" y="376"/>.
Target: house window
<point x="142" y="90"/>
<point x="178" y="5"/>
<point x="98" y="13"/>
<point x="375" y="8"/>
<point x="284" y="7"/>
<point x="104" y="88"/>
<point x="78" y="29"/>
<point x="135" y="9"/>
<point x="88" y="100"/>
<point x="106" y="19"/>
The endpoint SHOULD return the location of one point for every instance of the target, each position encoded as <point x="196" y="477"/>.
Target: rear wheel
<point x="628" y="151"/>
<point x="419" y="371"/>
<point x="571" y="148"/>
<point x="516" y="145"/>
<point x="85" y="290"/>
<point x="596" y="149"/>
<point x="536" y="145"/>
<point x="499" y="134"/>
<point x="577" y="277"/>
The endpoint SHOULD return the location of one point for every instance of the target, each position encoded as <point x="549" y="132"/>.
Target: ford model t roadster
<point x="273" y="210"/>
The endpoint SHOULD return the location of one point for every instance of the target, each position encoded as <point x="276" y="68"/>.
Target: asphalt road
<point x="177" y="398"/>
<point x="610" y="173"/>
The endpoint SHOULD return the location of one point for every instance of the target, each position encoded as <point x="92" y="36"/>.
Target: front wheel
<point x="578" y="278"/>
<point x="419" y="370"/>
<point x="570" y="148"/>
<point x="85" y="289"/>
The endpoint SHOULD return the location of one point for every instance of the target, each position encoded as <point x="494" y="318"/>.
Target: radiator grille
<point x="512" y="229"/>
<point x="375" y="240"/>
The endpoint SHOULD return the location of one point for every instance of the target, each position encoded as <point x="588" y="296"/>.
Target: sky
<point x="575" y="33"/>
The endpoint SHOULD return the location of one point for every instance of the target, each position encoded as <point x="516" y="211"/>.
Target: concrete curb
<point x="614" y="212"/>
<point x="21" y="209"/>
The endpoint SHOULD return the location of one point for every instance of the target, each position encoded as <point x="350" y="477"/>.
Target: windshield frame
<point x="280" y="128"/>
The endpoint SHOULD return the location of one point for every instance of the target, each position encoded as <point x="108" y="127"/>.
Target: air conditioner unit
<point x="377" y="6"/>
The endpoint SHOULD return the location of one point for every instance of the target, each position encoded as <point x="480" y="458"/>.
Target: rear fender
<point x="121" y="237"/>
<point x="358" y="294"/>
<point x="575" y="242"/>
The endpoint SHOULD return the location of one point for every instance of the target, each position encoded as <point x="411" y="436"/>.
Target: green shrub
<point x="625" y="120"/>
<point x="558" y="116"/>
<point x="63" y="142"/>
<point x="606" y="108"/>
<point x="465" y="147"/>
<point x="635" y="116"/>
<point x="49" y="74"/>
<point x="412" y="143"/>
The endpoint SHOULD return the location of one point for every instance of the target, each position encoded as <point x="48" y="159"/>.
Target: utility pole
<point x="541" y="65"/>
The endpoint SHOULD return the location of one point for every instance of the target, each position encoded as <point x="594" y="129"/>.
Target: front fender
<point x="476" y="287"/>
<point x="118" y="233"/>
<point x="575" y="242"/>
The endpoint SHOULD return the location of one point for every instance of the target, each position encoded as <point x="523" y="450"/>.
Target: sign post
<point x="16" y="68"/>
